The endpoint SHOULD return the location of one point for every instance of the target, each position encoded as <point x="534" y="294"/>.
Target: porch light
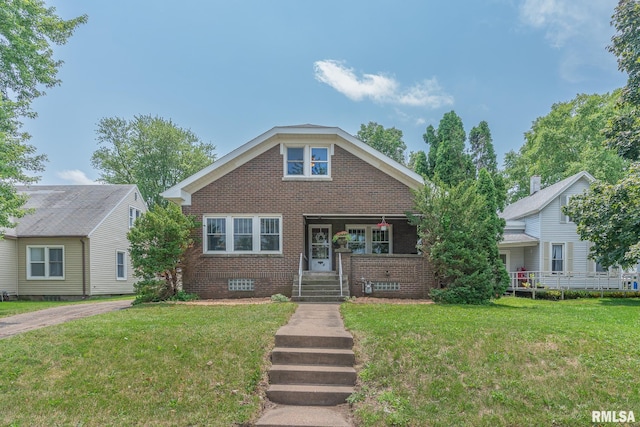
<point x="383" y="225"/>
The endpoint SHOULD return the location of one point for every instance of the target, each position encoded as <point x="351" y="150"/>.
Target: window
<point x="306" y="161"/>
<point x="386" y="286"/>
<point x="369" y="239"/>
<point x="134" y="213"/>
<point x="269" y="234"/>
<point x="243" y="234"/>
<point x="557" y="258"/>
<point x="240" y="284"/>
<point x="45" y="262"/>
<point x="121" y="271"/>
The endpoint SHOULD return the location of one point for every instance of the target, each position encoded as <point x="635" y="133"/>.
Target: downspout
<point x="84" y="270"/>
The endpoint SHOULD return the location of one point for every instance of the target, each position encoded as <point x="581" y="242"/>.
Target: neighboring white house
<point x="539" y="237"/>
<point x="73" y="244"/>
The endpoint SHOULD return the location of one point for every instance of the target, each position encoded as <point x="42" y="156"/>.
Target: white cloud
<point x="75" y="177"/>
<point x="562" y="20"/>
<point x="380" y="88"/>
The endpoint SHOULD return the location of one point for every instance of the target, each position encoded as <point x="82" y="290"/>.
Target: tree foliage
<point x="459" y="231"/>
<point x="609" y="216"/>
<point x="623" y="130"/>
<point x="27" y="31"/>
<point x="387" y="141"/>
<point x="418" y="163"/>
<point x="483" y="154"/>
<point x="565" y="142"/>
<point x="158" y="242"/>
<point x="453" y="164"/>
<point x="148" y="151"/>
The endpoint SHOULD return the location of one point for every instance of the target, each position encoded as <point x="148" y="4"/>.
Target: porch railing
<point x="596" y="281"/>
<point x="340" y="271"/>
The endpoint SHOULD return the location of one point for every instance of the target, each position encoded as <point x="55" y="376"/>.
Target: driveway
<point x="24" y="322"/>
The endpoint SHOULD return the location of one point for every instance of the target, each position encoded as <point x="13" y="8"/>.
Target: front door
<point x="320" y="247"/>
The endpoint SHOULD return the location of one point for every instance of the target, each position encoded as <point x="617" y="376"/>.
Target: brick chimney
<point x="534" y="184"/>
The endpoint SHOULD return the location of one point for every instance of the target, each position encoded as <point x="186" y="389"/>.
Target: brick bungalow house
<point x="269" y="210"/>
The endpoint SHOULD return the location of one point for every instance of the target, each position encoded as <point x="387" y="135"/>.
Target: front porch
<point x="383" y="276"/>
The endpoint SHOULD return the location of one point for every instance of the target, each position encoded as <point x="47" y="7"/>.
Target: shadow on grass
<point x="624" y="302"/>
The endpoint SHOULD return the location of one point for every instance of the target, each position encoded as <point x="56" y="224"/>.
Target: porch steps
<point x="320" y="287"/>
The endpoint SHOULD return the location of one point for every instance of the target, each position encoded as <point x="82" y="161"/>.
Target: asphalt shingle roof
<point x="535" y="202"/>
<point x="68" y="210"/>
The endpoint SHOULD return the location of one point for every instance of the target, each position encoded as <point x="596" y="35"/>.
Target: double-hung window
<point x="121" y="269"/>
<point x="307" y="161"/>
<point x="557" y="258"/>
<point x="260" y="234"/>
<point x="45" y="262"/>
<point x="369" y="239"/>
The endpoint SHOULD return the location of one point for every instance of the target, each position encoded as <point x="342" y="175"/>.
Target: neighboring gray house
<point x="539" y="237"/>
<point x="74" y="244"/>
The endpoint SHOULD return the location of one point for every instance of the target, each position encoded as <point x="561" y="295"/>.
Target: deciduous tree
<point x="148" y="151"/>
<point x="453" y="165"/>
<point x="27" y="31"/>
<point x="158" y="242"/>
<point x="387" y="141"/>
<point x="564" y="142"/>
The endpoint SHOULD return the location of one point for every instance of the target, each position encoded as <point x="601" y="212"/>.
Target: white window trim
<point x="307" y="161"/>
<point x="124" y="263"/>
<point x="229" y="250"/>
<point x="132" y="218"/>
<point x="368" y="239"/>
<point x="46" y="263"/>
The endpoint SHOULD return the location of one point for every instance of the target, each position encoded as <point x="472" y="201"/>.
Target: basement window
<point x="241" y="284"/>
<point x="386" y="286"/>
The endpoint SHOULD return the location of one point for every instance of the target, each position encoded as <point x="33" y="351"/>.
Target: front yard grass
<point x="152" y="365"/>
<point x="513" y="363"/>
<point x="11" y="308"/>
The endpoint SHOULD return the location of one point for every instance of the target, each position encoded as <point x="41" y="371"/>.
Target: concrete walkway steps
<point x="312" y="370"/>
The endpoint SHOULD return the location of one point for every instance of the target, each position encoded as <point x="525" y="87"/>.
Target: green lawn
<point x="514" y="363"/>
<point x="10" y="308"/>
<point x="152" y="365"/>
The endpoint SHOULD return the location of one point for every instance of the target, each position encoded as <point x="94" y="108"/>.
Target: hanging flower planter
<point x="383" y="225"/>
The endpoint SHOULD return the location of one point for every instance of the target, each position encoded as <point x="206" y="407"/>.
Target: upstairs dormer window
<point x="307" y="161"/>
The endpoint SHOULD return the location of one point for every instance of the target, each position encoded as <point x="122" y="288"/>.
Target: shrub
<point x="181" y="295"/>
<point x="280" y="298"/>
<point x="150" y="290"/>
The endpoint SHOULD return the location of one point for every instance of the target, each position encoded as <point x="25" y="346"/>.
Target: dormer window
<point x="307" y="161"/>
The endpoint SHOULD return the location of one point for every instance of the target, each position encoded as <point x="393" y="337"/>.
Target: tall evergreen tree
<point x="453" y="165"/>
<point x="418" y="162"/>
<point x="431" y="139"/>
<point x="483" y="154"/>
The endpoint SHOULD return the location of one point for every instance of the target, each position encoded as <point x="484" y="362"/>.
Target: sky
<point x="231" y="70"/>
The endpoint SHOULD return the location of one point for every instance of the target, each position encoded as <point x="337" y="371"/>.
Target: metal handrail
<point x="300" y="276"/>
<point x="340" y="271"/>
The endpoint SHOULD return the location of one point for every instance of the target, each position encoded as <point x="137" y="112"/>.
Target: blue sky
<point x="231" y="70"/>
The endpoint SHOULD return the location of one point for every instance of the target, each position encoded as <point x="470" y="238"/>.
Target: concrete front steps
<point x="312" y="369"/>
<point x="320" y="287"/>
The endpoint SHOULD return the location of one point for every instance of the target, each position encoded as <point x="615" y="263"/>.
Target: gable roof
<point x="181" y="192"/>
<point x="68" y="210"/>
<point x="536" y="202"/>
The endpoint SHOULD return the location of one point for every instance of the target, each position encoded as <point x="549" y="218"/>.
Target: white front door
<point x="320" y="247"/>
